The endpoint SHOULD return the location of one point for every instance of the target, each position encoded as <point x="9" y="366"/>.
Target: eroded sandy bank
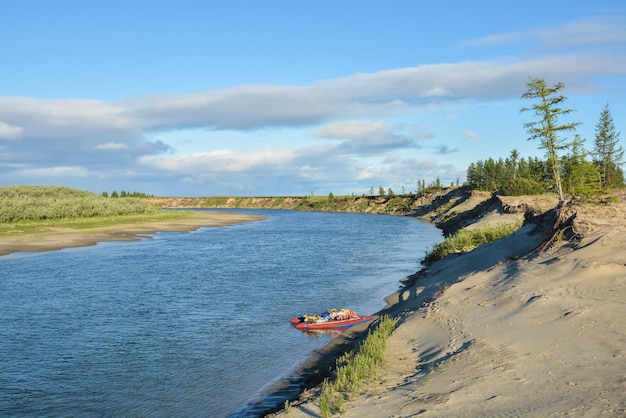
<point x="514" y="328"/>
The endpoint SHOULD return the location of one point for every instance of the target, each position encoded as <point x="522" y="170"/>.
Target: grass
<point x="467" y="240"/>
<point x="33" y="209"/>
<point x="42" y="203"/>
<point x="91" y="222"/>
<point x="355" y="369"/>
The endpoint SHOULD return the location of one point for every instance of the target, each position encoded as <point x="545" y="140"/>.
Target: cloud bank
<point x="350" y="116"/>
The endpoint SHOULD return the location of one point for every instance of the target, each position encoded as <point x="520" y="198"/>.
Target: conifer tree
<point x="580" y="176"/>
<point x="607" y="154"/>
<point x="548" y="130"/>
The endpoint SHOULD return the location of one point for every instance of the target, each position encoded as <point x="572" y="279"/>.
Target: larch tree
<point x="607" y="154"/>
<point x="547" y="130"/>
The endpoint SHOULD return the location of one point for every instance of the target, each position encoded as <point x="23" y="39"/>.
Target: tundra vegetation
<point x="23" y="207"/>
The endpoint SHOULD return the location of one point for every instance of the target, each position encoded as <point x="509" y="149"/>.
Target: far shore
<point x="57" y="238"/>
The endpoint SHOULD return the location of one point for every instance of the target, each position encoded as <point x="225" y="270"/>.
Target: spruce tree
<point x="607" y="154"/>
<point x="580" y="177"/>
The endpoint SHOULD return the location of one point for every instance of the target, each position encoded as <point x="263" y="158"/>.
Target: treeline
<point x="124" y="193"/>
<point x="569" y="167"/>
<point x="19" y="203"/>
<point x="422" y="188"/>
<point x="513" y="176"/>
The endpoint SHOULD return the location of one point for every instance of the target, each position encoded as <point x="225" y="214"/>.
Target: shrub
<point x="22" y="203"/>
<point x="467" y="240"/>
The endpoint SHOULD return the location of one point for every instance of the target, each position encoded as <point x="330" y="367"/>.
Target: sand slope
<point x="512" y="333"/>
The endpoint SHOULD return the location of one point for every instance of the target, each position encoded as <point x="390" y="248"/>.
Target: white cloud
<point x="60" y="171"/>
<point x="8" y="131"/>
<point x="380" y="94"/>
<point x="470" y="135"/>
<point x="112" y="146"/>
<point x="59" y="137"/>
<point x="586" y="32"/>
<point x="365" y="137"/>
<point x="353" y="129"/>
<point x="221" y="161"/>
<point x="581" y="33"/>
<point x="497" y="39"/>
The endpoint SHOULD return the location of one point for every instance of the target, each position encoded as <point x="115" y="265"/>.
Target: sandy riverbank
<point x="47" y="239"/>
<point x="513" y="328"/>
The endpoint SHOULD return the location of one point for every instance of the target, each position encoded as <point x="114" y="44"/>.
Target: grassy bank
<point x="43" y="203"/>
<point x="30" y="208"/>
<point x="355" y="369"/>
<point x="92" y="222"/>
<point x="467" y="239"/>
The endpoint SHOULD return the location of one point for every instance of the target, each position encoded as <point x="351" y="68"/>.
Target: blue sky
<point x="198" y="98"/>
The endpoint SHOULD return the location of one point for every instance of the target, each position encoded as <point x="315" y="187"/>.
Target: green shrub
<point x="31" y="203"/>
<point x="467" y="240"/>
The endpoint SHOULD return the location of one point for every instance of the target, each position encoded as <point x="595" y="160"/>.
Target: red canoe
<point x="330" y="319"/>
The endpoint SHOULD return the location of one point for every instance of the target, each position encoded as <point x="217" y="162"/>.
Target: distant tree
<point x="372" y="191"/>
<point x="511" y="164"/>
<point x="114" y="194"/>
<point x="580" y="177"/>
<point x="607" y="154"/>
<point x="403" y="191"/>
<point x="331" y="196"/>
<point x="547" y="129"/>
<point x="105" y="194"/>
<point x="390" y="192"/>
<point x="381" y="191"/>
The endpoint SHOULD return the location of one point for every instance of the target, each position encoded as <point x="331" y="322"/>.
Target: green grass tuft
<point x="467" y="240"/>
<point x="356" y="368"/>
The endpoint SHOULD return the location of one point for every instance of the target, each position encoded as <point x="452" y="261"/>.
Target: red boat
<point x="332" y="318"/>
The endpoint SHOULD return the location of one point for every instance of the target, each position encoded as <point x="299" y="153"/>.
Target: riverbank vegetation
<point x="44" y="203"/>
<point x="467" y="239"/>
<point x="355" y="369"/>
<point x="26" y="208"/>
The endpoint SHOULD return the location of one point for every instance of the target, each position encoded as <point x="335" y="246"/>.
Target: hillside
<point x="529" y="325"/>
<point x="389" y="205"/>
<point x="450" y="209"/>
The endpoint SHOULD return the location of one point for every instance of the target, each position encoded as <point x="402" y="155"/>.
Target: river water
<point x="188" y="324"/>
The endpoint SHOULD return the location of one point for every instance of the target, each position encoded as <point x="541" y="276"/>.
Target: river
<point x="189" y="324"/>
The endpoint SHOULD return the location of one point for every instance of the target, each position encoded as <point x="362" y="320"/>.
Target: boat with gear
<point x="329" y="319"/>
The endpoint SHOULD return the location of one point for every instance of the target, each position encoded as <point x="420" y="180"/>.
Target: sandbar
<point x="48" y="239"/>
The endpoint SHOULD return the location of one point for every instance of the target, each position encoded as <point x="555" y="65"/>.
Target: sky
<point x="291" y="98"/>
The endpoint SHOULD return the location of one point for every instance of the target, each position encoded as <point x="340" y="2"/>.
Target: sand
<point x="517" y="327"/>
<point x="47" y="239"/>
